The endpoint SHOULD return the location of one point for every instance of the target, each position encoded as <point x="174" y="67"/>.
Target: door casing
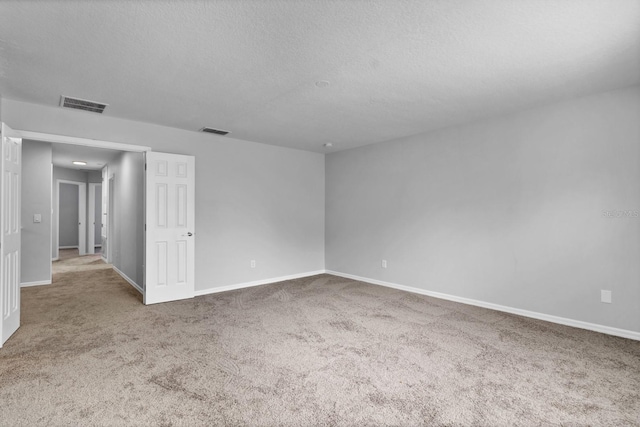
<point x="92" y="218"/>
<point x="82" y="214"/>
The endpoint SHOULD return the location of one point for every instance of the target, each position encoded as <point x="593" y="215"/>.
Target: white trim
<point x="36" y="283"/>
<point x="55" y="259"/>
<point x="62" y="139"/>
<point x="257" y="283"/>
<point x="128" y="279"/>
<point x="625" y="333"/>
<point x="82" y="215"/>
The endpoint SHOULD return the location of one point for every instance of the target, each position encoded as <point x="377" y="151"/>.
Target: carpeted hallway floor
<point x="315" y="351"/>
<point x="69" y="261"/>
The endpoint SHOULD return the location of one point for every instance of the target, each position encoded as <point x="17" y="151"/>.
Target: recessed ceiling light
<point x="322" y="83"/>
<point x="79" y="163"/>
<point x="328" y="145"/>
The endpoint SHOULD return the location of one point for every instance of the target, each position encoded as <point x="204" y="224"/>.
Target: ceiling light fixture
<point x="79" y="163"/>
<point x="323" y="83"/>
<point x="328" y="145"/>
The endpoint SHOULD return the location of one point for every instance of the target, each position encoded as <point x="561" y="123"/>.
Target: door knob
<point x="189" y="234"/>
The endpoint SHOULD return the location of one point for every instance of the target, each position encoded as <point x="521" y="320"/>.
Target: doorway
<point x="56" y="170"/>
<point x="114" y="204"/>
<point x="168" y="185"/>
<point x="71" y="215"/>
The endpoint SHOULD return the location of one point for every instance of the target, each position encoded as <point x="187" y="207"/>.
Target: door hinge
<point x="145" y="166"/>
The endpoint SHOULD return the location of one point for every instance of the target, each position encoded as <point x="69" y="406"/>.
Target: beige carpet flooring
<point x="315" y="351"/>
<point x="68" y="261"/>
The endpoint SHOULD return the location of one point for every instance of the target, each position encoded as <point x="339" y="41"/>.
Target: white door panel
<point x="10" y="235"/>
<point x="170" y="227"/>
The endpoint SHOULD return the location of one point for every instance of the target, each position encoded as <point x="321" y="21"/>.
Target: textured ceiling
<point x="395" y="68"/>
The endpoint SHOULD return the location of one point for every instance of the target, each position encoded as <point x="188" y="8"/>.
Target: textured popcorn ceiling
<point x="396" y="67"/>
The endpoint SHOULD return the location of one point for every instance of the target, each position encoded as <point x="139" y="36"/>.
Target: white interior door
<point x="10" y="235"/>
<point x="170" y="227"/>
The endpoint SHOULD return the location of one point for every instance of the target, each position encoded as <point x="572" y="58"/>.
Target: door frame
<point x="72" y="140"/>
<point x="91" y="218"/>
<point x="82" y="214"/>
<point x="96" y="143"/>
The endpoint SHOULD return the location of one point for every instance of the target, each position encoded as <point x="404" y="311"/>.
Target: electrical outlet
<point x="384" y="263"/>
<point x="605" y="296"/>
<point x="253" y="263"/>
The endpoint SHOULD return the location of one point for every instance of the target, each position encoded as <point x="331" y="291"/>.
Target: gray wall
<point x="36" y="199"/>
<point x="69" y="175"/>
<point x="253" y="201"/>
<point x="128" y="241"/>
<point x="69" y="215"/>
<point x="511" y="211"/>
<point x="94" y="177"/>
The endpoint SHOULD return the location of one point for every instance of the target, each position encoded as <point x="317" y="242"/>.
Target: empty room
<point x="320" y="212"/>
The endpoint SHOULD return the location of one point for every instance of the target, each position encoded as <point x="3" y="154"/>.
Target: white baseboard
<point x="36" y="283"/>
<point x="526" y="313"/>
<point x="257" y="283"/>
<point x="128" y="279"/>
<point x="67" y="247"/>
<point x="54" y="259"/>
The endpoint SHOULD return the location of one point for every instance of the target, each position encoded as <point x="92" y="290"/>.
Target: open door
<point x="10" y="235"/>
<point x="170" y="227"/>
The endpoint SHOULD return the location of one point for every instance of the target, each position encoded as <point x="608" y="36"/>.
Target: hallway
<point x="69" y="261"/>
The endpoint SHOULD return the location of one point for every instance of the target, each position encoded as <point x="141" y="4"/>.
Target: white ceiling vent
<point x="82" y="104"/>
<point x="216" y="131"/>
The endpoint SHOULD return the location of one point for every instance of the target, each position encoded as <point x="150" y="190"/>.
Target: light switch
<point x="37" y="218"/>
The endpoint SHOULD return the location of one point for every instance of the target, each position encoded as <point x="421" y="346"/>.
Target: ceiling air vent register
<point x="82" y="104"/>
<point x="216" y="131"/>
